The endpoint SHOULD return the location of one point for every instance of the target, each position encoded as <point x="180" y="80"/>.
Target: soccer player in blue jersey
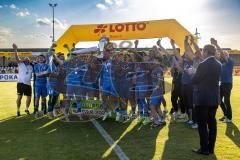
<point x="61" y="85"/>
<point x="74" y="71"/>
<point x="141" y="89"/>
<point x="132" y="81"/>
<point x="157" y="95"/>
<point x="157" y="82"/>
<point x="52" y="89"/>
<point x="74" y="78"/>
<point x="122" y="84"/>
<point x="226" y="82"/>
<point x="82" y="71"/>
<point x="131" y="93"/>
<point x="41" y="70"/>
<point x="187" y="87"/>
<point x="107" y="87"/>
<point x="197" y="59"/>
<point x="90" y="81"/>
<point x="176" y="73"/>
<point x="168" y="63"/>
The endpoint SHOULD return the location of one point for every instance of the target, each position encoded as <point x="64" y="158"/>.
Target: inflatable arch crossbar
<point x="124" y="31"/>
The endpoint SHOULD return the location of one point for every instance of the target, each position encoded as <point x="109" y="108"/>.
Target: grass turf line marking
<point x="121" y="155"/>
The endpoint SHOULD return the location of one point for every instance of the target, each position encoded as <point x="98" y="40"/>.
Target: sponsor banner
<point x="11" y="54"/>
<point x="124" y="31"/>
<point x="8" y="77"/>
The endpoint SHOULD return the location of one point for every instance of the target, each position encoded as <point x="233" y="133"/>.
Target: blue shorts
<point x="156" y="100"/>
<point x="122" y="87"/>
<point x="41" y="91"/>
<point x="74" y="91"/>
<point x="108" y="89"/>
<point x="51" y="91"/>
<point x="141" y="91"/>
<point x="91" y="89"/>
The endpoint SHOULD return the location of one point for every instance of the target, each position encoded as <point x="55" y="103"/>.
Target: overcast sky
<point x="28" y="22"/>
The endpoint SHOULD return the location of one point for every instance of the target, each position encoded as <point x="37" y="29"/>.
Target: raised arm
<point x="59" y="61"/>
<point x="196" y="47"/>
<point x="136" y="42"/>
<point x="162" y="49"/>
<point x="156" y="51"/>
<point x="175" y="51"/>
<point x="177" y="64"/>
<point x="219" y="49"/>
<point x="177" y="59"/>
<point x="16" y="53"/>
<point x="50" y="52"/>
<point x="188" y="50"/>
<point x="52" y="47"/>
<point x="69" y="50"/>
<point x="67" y="47"/>
<point x="73" y="47"/>
<point x="134" y="50"/>
<point x="215" y="43"/>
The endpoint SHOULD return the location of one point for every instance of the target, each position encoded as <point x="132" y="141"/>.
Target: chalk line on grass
<point x="121" y="155"/>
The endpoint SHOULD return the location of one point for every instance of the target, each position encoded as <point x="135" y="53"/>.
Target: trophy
<point x="50" y="56"/>
<point x="102" y="42"/>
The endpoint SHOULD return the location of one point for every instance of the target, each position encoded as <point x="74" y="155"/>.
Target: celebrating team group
<point x="128" y="77"/>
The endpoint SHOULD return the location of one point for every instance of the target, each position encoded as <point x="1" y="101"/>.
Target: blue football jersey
<point x="40" y="68"/>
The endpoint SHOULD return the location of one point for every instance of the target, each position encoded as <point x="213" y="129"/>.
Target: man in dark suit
<point x="207" y="98"/>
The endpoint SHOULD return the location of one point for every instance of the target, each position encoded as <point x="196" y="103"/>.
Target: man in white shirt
<point x="25" y="71"/>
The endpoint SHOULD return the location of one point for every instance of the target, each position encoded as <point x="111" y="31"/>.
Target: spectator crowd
<point x="8" y="70"/>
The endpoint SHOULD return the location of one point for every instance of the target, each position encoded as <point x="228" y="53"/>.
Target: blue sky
<point x="28" y="22"/>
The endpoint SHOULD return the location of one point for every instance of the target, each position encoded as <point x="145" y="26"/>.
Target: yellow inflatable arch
<point x="124" y="31"/>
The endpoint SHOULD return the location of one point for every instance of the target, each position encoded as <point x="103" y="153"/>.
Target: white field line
<point x="121" y="155"/>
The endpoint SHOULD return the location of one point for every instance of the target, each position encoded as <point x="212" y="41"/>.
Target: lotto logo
<point x="100" y="28"/>
<point x="120" y="27"/>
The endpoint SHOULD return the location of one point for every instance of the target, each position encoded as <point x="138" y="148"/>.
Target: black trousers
<point x="187" y="96"/>
<point x="52" y="102"/>
<point x="207" y="126"/>
<point x="225" y="93"/>
<point x="176" y="97"/>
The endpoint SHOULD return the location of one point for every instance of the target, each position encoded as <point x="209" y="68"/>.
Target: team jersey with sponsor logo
<point x="75" y="73"/>
<point x="227" y="70"/>
<point x="106" y="76"/>
<point x="43" y="79"/>
<point x="52" y="81"/>
<point x="186" y="78"/>
<point x="157" y="81"/>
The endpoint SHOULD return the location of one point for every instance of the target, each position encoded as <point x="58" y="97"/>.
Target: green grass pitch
<point x="27" y="138"/>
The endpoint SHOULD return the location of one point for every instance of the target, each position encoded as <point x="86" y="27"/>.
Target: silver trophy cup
<point x="101" y="45"/>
